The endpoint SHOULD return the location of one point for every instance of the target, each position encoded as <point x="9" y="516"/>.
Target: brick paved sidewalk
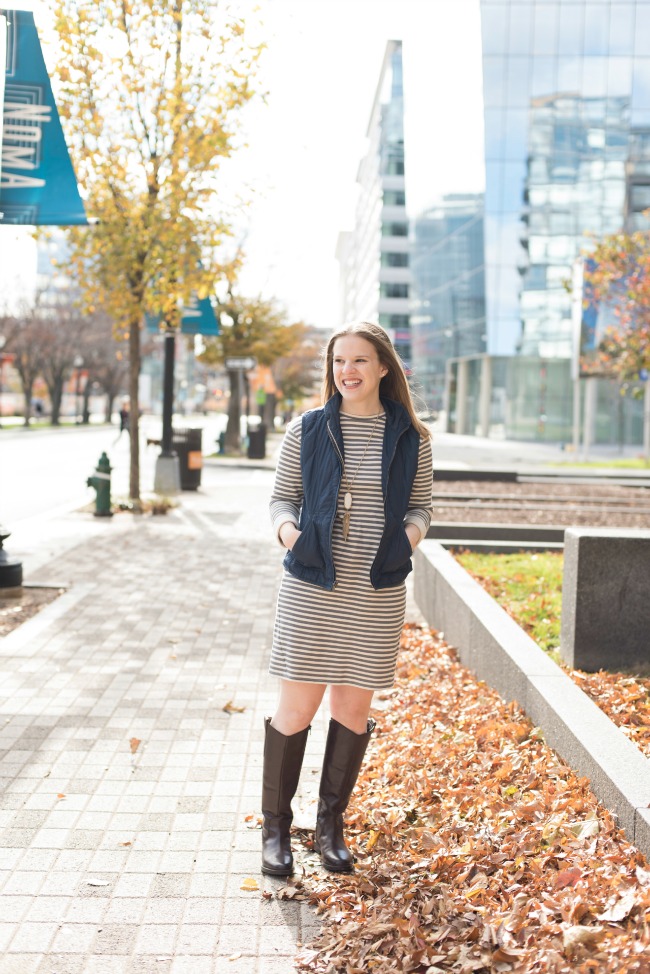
<point x="117" y="860"/>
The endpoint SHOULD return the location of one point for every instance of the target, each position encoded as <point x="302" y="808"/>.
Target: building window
<point x="389" y="289"/>
<point x="394" y="197"/>
<point x="390" y="259"/>
<point x="394" y="321"/>
<point x="394" y="229"/>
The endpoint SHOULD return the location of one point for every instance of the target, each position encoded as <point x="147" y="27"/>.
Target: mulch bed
<point x="478" y="848"/>
<point x="17" y="605"/>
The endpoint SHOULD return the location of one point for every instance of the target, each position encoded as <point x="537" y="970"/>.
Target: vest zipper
<point x="341" y="461"/>
<point x="390" y="464"/>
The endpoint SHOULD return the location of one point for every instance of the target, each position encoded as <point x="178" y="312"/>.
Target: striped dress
<point x="349" y="635"/>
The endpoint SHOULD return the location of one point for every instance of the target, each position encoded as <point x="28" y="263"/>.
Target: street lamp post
<point x="3" y="341"/>
<point x="78" y="362"/>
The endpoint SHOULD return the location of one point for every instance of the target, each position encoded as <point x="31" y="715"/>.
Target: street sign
<point x="244" y="363"/>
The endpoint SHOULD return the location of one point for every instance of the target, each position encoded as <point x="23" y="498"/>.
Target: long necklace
<point x="347" y="499"/>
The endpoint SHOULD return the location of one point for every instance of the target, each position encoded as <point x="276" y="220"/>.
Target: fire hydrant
<point x="101" y="481"/>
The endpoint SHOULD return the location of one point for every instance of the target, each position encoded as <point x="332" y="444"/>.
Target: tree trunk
<point x="110" y="399"/>
<point x="28" y="390"/>
<point x="85" y="412"/>
<point x="233" y="437"/>
<point x="134" y="409"/>
<point x="56" y="393"/>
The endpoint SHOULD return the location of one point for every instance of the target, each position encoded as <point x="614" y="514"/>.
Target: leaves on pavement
<point x="478" y="848"/>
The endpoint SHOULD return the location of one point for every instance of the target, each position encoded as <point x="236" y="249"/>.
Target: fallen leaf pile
<point x="625" y="700"/>
<point x="477" y="848"/>
<point x="537" y="609"/>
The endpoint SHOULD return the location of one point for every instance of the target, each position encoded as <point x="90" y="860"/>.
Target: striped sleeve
<point x="421" y="502"/>
<point x="286" y="499"/>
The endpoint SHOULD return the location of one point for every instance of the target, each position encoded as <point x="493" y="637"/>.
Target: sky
<point x="304" y="145"/>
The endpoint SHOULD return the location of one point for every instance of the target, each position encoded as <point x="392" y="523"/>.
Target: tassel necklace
<point x="347" y="499"/>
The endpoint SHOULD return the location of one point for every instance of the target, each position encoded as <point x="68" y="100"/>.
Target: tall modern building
<point x="373" y="257"/>
<point x="448" y="290"/>
<point x="567" y="151"/>
<point x="567" y="116"/>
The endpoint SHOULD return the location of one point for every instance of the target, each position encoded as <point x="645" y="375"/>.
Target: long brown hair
<point x="392" y="386"/>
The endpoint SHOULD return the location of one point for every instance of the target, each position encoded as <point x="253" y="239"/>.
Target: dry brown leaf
<point x="230" y="708"/>
<point x="250" y="884"/>
<point x="493" y="855"/>
<point x="135" y="744"/>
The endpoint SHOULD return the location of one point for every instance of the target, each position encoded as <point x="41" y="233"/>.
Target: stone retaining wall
<point x="498" y="651"/>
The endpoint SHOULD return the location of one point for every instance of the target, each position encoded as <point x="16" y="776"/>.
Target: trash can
<point x="257" y="442"/>
<point x="187" y="445"/>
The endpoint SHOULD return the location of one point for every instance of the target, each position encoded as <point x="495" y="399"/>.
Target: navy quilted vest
<point x="311" y="557"/>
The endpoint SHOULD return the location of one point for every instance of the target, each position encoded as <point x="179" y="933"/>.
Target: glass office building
<point x="448" y="290"/>
<point x="373" y="257"/>
<point x="567" y="123"/>
<point x="567" y="153"/>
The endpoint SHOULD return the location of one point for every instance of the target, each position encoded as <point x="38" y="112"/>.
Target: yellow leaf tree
<point x="151" y="94"/>
<point x="256" y="327"/>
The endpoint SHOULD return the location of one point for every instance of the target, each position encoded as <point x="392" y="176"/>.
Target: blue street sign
<point x="37" y="182"/>
<point x="198" y="319"/>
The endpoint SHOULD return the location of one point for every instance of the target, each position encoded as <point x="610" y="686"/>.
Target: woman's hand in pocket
<point x="289" y="534"/>
<point x="413" y="534"/>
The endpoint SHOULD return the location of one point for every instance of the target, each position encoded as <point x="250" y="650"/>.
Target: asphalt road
<point x="44" y="471"/>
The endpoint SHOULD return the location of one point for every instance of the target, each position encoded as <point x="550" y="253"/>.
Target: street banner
<point x="198" y="319"/>
<point x="37" y="182"/>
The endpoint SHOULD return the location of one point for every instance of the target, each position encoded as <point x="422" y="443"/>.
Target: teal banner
<point x="198" y="319"/>
<point x="37" y="182"/>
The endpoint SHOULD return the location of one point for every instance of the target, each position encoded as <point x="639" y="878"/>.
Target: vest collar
<point x="397" y="418"/>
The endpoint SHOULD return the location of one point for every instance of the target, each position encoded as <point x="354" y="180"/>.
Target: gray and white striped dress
<point x="349" y="635"/>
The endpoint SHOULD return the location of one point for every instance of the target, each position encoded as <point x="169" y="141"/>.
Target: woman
<point x="351" y="501"/>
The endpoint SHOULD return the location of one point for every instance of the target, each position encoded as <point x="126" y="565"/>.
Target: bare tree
<point x="59" y="332"/>
<point x="105" y="360"/>
<point x="22" y="340"/>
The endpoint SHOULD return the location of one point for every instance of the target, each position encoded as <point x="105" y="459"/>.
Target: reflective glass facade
<point x="448" y="300"/>
<point x="373" y="257"/>
<point x="567" y="145"/>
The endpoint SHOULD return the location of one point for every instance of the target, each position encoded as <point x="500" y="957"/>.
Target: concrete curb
<point x="498" y="651"/>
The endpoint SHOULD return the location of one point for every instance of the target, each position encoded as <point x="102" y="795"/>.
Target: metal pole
<point x="167" y="479"/>
<point x="576" y="417"/>
<point x="591" y="389"/>
<point x="168" y="394"/>
<point x="11" y="572"/>
<point x="646" y="419"/>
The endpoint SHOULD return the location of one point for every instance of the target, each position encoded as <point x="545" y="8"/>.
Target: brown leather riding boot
<point x="344" y="754"/>
<point x="282" y="763"/>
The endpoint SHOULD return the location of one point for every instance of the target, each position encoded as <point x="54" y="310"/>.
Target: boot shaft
<point x="283" y="757"/>
<point x="344" y="754"/>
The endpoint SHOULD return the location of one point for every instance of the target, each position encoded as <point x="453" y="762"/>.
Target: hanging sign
<point x="37" y="182"/>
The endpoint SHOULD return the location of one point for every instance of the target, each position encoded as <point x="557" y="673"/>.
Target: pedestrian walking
<point x="351" y="500"/>
<point x="124" y="415"/>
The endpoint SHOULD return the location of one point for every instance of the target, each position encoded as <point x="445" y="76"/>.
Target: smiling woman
<point x="351" y="501"/>
<point x="357" y="373"/>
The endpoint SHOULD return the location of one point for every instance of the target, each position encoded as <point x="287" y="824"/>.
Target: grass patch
<point x="528" y="586"/>
<point x="629" y="463"/>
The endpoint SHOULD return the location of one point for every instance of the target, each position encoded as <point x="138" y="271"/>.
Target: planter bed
<point x="497" y="650"/>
